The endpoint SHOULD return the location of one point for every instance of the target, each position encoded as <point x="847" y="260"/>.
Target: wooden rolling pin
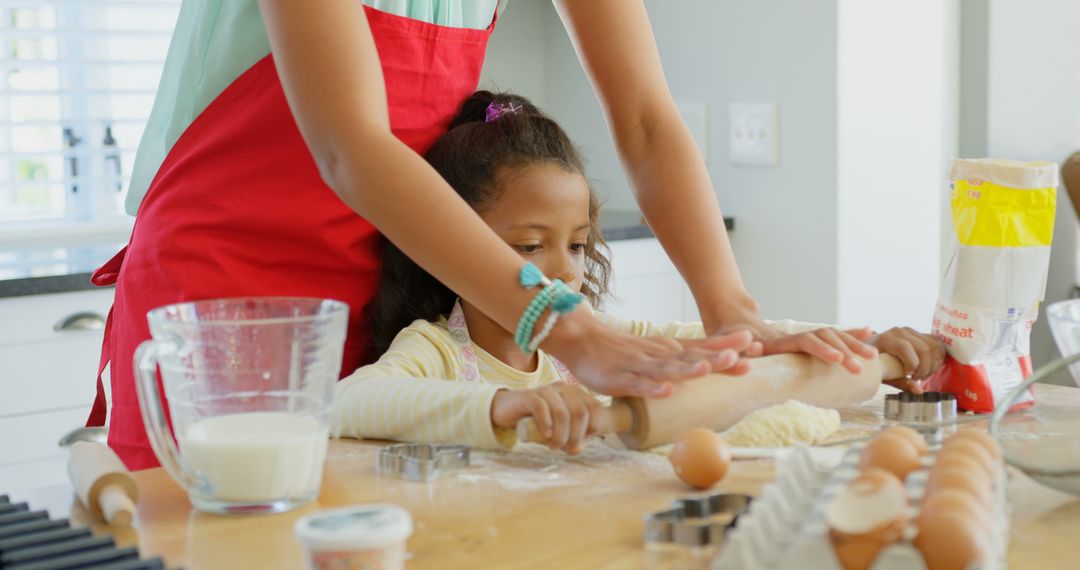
<point x="103" y="483"/>
<point x="718" y="401"/>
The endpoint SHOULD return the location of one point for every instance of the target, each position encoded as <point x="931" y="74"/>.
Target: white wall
<point x="900" y="62"/>
<point x="1033" y="113"/>
<point x="715" y="52"/>
<point x="847" y="228"/>
<point x="517" y="52"/>
<point x="571" y="100"/>
<point x="974" y="77"/>
<point x="802" y="226"/>
<point x="897" y="101"/>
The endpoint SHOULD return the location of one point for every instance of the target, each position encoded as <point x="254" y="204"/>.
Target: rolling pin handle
<point x="616" y="418"/>
<point x="891" y="368"/>
<point x="116" y="506"/>
<point x="528" y="431"/>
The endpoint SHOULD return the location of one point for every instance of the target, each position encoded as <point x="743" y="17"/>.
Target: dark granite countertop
<point x="36" y="269"/>
<point x="52" y="268"/>
<point x="628" y="224"/>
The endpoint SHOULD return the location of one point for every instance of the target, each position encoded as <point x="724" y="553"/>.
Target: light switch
<point x="755" y="133"/>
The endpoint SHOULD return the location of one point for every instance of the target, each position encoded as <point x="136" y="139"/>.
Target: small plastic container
<point x="358" y="537"/>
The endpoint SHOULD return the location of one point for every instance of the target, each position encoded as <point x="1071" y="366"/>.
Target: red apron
<point x="238" y="207"/>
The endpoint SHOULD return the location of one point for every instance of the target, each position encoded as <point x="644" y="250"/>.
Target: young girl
<point x="445" y="372"/>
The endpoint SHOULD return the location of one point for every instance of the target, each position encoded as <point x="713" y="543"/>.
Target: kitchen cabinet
<point x="49" y="351"/>
<point x="646" y="285"/>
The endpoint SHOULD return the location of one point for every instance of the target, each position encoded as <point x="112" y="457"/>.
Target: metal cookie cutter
<point x="421" y="461"/>
<point x="930" y="407"/>
<point x="696" y="521"/>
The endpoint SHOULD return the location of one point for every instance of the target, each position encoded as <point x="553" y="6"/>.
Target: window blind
<point x="77" y="81"/>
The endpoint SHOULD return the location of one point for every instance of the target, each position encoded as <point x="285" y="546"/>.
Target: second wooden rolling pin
<point x="103" y="483"/>
<point x="718" y="401"/>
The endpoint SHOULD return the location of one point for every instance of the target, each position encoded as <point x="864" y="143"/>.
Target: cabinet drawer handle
<point x="83" y="321"/>
<point x="95" y="434"/>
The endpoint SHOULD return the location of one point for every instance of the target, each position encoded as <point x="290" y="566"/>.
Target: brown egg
<point x="968" y="482"/>
<point x="874" y="480"/>
<point x="951" y="541"/>
<point x="986" y="440"/>
<point x="913" y="437"/>
<point x="960" y="461"/>
<point x="856" y="552"/>
<point x="874" y="504"/>
<point x="893" y="453"/>
<point x="700" y="458"/>
<point x="974" y="450"/>
<point x="868" y="515"/>
<point x="955" y="501"/>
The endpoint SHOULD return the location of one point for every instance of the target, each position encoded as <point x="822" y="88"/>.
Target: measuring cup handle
<point x="153" y="413"/>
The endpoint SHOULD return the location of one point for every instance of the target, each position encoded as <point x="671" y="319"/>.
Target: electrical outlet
<point x="755" y="133"/>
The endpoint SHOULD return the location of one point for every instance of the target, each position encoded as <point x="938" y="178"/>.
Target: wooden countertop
<point x="525" y="509"/>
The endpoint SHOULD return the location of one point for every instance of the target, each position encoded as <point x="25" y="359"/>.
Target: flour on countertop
<point x="531" y="466"/>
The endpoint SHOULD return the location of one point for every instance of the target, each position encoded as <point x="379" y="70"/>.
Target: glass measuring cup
<point x="249" y="383"/>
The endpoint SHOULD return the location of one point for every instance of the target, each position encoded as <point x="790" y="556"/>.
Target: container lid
<point x="355" y="527"/>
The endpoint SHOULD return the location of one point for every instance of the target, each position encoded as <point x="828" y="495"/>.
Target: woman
<point x="275" y="175"/>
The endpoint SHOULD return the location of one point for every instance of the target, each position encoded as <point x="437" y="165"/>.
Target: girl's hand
<point x="565" y="414"/>
<point x="828" y="344"/>
<point x="619" y="364"/>
<point x="920" y="354"/>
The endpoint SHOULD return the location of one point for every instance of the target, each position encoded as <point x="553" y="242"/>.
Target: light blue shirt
<point x="215" y="41"/>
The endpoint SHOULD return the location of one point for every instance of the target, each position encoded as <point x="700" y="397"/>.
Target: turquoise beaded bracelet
<point x="555" y="293"/>
<point x="532" y="313"/>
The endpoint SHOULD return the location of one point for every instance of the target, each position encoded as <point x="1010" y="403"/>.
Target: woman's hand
<point x="920" y="354"/>
<point x="826" y="343"/>
<point x="619" y="364"/>
<point x="565" y="414"/>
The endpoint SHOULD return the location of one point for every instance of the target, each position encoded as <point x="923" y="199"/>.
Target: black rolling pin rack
<point x="30" y="540"/>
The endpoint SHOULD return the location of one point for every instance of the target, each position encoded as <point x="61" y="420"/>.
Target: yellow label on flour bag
<point x="1003" y="223"/>
<point x="988" y="214"/>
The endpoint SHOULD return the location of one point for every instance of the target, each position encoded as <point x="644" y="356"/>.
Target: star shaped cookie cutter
<point x="696" y="521"/>
<point x="421" y="461"/>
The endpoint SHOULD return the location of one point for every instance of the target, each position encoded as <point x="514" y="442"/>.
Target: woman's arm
<point x="326" y="57"/>
<point x="329" y="68"/>
<point x="615" y="44"/>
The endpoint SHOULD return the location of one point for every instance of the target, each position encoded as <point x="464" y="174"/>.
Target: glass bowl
<point x="1042" y="441"/>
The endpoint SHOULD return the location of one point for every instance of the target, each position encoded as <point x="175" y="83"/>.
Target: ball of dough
<point x="783" y="425"/>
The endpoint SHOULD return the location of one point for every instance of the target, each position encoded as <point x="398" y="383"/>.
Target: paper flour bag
<point x="1003" y="222"/>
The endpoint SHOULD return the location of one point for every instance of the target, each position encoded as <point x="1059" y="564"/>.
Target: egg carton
<point x="769" y="526"/>
<point x="785" y="528"/>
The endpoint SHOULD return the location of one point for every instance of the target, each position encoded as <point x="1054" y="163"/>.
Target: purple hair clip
<point x="496" y="110"/>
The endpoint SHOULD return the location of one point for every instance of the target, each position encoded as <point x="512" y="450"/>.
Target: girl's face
<point x="542" y="211"/>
